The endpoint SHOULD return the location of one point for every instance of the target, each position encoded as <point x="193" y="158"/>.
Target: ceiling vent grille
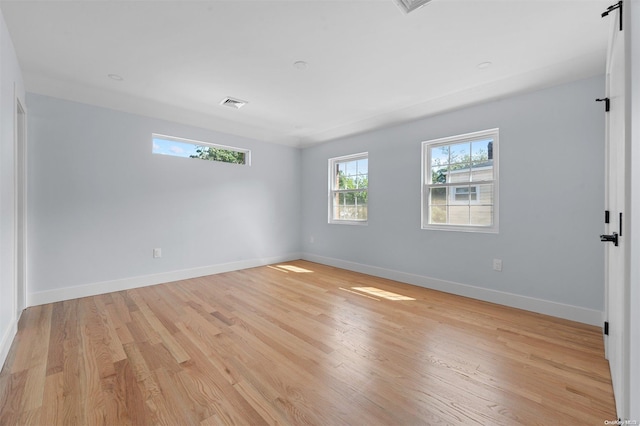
<point x="408" y="6"/>
<point x="233" y="103"/>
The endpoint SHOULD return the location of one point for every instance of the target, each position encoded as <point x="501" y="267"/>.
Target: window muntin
<point x="187" y="148"/>
<point x="349" y="189"/>
<point x="460" y="182"/>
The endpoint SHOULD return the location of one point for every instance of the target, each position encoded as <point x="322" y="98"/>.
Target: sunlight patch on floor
<point x="373" y="291"/>
<point x="359" y="294"/>
<point x="290" y="268"/>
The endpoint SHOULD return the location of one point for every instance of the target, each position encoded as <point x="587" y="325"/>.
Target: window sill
<point x="459" y="228"/>
<point x="349" y="222"/>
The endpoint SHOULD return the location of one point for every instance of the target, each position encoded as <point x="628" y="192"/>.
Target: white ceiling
<point x="369" y="64"/>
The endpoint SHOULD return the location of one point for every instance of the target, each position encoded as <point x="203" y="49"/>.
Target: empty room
<point x="325" y="212"/>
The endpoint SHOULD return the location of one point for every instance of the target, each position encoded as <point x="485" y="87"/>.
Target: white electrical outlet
<point x="312" y="239"/>
<point x="157" y="252"/>
<point x="497" y="265"/>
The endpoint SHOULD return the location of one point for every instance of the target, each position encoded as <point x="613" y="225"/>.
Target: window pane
<point x="351" y="206"/>
<point x="351" y="168"/>
<point x="348" y="182"/>
<point x="464" y="194"/>
<point x="462" y="174"/>
<point x="352" y="198"/>
<point x="345" y="212"/>
<point x="363" y="166"/>
<point x="345" y="180"/>
<point x="439" y="174"/>
<point x="438" y="195"/>
<point x="485" y="194"/>
<point x="480" y="150"/>
<point x="346" y="199"/>
<point x="460" y="153"/>
<point x="218" y="154"/>
<point x="481" y="215"/>
<point x="361" y="181"/>
<point x="459" y="215"/>
<point x="473" y="194"/>
<point x="174" y="148"/>
<point x="439" y="155"/>
<point x="481" y="171"/>
<point x="438" y="214"/>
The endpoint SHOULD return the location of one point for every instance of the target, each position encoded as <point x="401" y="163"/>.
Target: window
<point x="179" y="147"/>
<point x="460" y="182"/>
<point x="348" y="189"/>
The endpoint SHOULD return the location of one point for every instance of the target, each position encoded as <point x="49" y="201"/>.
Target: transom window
<point x="460" y="182"/>
<point x="349" y="189"/>
<point x="180" y="147"/>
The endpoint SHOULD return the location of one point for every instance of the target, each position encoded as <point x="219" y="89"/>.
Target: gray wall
<point x="551" y="199"/>
<point x="100" y="201"/>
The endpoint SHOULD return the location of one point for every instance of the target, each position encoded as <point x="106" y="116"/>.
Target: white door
<point x="615" y="279"/>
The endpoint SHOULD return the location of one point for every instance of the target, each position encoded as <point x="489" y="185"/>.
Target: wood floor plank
<point x="52" y="406"/>
<point x="74" y="375"/>
<point x="55" y="354"/>
<point x="300" y="343"/>
<point x="112" y="338"/>
<point x="145" y="388"/>
<point x="165" y="335"/>
<point x="11" y="396"/>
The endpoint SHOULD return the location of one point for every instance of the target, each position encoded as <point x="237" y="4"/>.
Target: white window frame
<point x="333" y="191"/>
<point x="427" y="184"/>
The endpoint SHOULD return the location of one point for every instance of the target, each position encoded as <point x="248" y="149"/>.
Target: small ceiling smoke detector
<point x="484" y="65"/>
<point x="233" y="103"/>
<point x="408" y="6"/>
<point x="300" y="65"/>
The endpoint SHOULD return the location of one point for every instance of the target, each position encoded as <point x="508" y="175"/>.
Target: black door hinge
<point x="607" y="103"/>
<point x="620" y="225"/>
<point x="611" y="9"/>
<point x="606" y="328"/>
<point x="606" y="216"/>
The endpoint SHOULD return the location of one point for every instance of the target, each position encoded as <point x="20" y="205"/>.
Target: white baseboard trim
<point x="541" y="306"/>
<point x="7" y="340"/>
<point x="75" y="292"/>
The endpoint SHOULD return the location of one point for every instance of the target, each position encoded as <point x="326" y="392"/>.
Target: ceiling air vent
<point x="410" y="5"/>
<point x="233" y="103"/>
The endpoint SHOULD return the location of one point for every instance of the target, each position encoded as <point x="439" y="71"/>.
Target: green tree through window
<point x="219" y="154"/>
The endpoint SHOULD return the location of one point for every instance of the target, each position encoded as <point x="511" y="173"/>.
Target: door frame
<point x="20" y="205"/>
<point x="633" y="68"/>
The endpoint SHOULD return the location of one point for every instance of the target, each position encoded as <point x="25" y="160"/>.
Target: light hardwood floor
<point x="300" y="343"/>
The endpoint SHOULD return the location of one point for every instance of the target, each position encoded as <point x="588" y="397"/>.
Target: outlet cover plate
<point x="497" y="265"/>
